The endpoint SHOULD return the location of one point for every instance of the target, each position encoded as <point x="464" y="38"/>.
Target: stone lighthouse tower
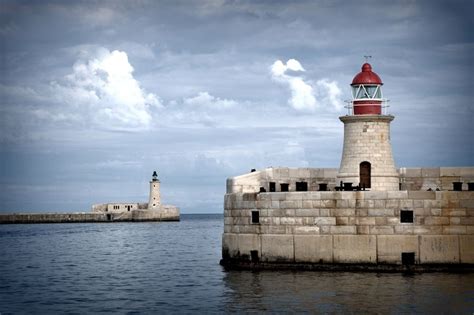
<point x="367" y="158"/>
<point x="154" y="202"/>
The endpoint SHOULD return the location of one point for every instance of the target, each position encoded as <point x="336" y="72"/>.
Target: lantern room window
<point x="366" y="91"/>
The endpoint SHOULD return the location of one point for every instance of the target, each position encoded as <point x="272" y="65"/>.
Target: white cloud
<point x="306" y="96"/>
<point x="204" y="99"/>
<point x="104" y="89"/>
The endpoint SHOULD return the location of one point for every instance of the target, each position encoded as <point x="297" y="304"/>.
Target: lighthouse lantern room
<point x="367" y="97"/>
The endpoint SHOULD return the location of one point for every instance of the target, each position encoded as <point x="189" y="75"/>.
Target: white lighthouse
<point x="367" y="158"/>
<point x="154" y="202"/>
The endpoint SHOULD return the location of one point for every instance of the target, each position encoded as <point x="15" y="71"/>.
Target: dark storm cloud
<point x="202" y="69"/>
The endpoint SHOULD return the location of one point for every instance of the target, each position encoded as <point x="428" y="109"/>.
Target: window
<point x="408" y="258"/>
<point x="406" y="216"/>
<point x="301" y="186"/>
<point x="285" y="187"/>
<point x="255" y="217"/>
<point x="272" y="187"/>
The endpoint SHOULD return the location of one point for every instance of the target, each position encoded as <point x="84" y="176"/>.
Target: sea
<point x="173" y="268"/>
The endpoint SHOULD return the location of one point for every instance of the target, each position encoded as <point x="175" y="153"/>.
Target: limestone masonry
<point x="365" y="215"/>
<point x="107" y="212"/>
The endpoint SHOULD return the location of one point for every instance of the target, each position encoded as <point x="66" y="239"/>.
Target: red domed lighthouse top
<point x="366" y="76"/>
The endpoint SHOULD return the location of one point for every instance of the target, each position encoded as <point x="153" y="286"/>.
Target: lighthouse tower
<point x="367" y="158"/>
<point x="154" y="202"/>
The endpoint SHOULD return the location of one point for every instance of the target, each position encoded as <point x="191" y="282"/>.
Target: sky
<point x="96" y="95"/>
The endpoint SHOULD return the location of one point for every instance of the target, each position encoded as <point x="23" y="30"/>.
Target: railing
<point x="350" y="105"/>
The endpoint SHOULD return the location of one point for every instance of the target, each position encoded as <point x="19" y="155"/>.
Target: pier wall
<point x="360" y="227"/>
<point x="166" y="213"/>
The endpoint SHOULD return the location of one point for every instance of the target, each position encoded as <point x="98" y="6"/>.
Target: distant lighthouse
<point x="155" y="198"/>
<point x="367" y="158"/>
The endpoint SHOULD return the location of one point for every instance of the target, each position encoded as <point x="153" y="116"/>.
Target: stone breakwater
<point x="365" y="230"/>
<point x="169" y="214"/>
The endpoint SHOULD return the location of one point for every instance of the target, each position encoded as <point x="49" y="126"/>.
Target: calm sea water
<point x="174" y="268"/>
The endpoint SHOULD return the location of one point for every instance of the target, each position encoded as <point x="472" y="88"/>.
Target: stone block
<point x="312" y="230"/>
<point x="343" y="229"/>
<point x="307" y="212"/>
<point x="436" y="220"/>
<point x="365" y="221"/>
<point x="383" y="230"/>
<point x="411" y="172"/>
<point x="454" y="229"/>
<point x="432" y="229"/>
<point x="313" y="248"/>
<point x="430" y="172"/>
<point x="449" y="171"/>
<point x="397" y="194"/>
<point x="421" y="194"/>
<point x="277" y="248"/>
<point x="328" y="203"/>
<point x="466" y="243"/>
<point x="325" y="221"/>
<point x="355" y="248"/>
<point x="375" y="195"/>
<point x="381" y="212"/>
<point x="363" y="229"/>
<point x="343" y="212"/>
<point x="325" y="212"/>
<point x="467" y="203"/>
<point x="391" y="247"/>
<point x="404" y="229"/>
<point x="307" y="204"/>
<point x="439" y="249"/>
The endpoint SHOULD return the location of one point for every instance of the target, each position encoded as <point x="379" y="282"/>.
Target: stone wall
<point x="435" y="178"/>
<point x="409" y="178"/>
<point x="166" y="213"/>
<point x="252" y="182"/>
<point x="350" y="227"/>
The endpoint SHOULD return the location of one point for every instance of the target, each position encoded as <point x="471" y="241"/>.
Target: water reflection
<point x="344" y="292"/>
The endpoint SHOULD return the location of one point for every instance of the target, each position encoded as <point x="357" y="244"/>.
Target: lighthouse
<point x="154" y="202"/>
<point x="367" y="159"/>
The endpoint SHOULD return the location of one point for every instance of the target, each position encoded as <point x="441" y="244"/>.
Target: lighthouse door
<point x="364" y="173"/>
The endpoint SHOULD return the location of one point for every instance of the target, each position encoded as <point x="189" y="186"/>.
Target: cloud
<point x="204" y="99"/>
<point x="104" y="90"/>
<point x="306" y="96"/>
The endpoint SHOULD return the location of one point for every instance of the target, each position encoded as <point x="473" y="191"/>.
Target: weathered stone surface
<point x="439" y="249"/>
<point x="277" y="248"/>
<point x="313" y="248"/>
<point x="355" y="248"/>
<point x="466" y="243"/>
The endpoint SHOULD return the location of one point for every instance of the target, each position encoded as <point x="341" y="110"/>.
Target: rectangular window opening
<point x="408" y="258"/>
<point x="406" y="216"/>
<point x="272" y="187"/>
<point x="285" y="187"/>
<point x="255" y="217"/>
<point x="109" y="217"/>
<point x="301" y="186"/>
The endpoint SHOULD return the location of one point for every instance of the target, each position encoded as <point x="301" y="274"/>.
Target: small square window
<point x="301" y="186"/>
<point x="406" y="216"/>
<point x="285" y="187"/>
<point x="255" y="217"/>
<point x="272" y="187"/>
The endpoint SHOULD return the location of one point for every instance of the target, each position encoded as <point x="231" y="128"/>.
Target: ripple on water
<point x="165" y="267"/>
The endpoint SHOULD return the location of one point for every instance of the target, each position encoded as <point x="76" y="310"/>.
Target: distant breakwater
<point x="84" y="217"/>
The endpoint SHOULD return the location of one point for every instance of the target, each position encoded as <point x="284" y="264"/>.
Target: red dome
<point x="366" y="76"/>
